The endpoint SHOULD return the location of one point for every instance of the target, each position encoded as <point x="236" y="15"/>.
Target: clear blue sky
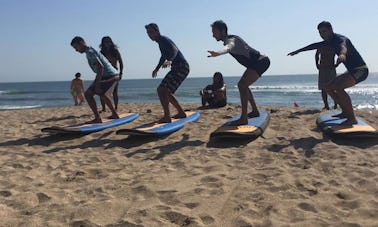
<point x="35" y="35"/>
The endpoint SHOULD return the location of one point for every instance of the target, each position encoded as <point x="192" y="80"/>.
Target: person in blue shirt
<point x="105" y="81"/>
<point x="255" y="62"/>
<point x="357" y="71"/>
<point x="172" y="57"/>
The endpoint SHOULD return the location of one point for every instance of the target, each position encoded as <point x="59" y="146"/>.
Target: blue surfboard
<point x="332" y="126"/>
<point x="89" y="128"/>
<point x="255" y="127"/>
<point x="160" y="129"/>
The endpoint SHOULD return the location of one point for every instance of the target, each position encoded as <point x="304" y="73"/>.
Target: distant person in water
<point x="214" y="94"/>
<point x="105" y="81"/>
<point x="255" y="62"/>
<point x="170" y="57"/>
<point x="325" y="63"/>
<point x="110" y="51"/>
<point x="349" y="56"/>
<point x="77" y="89"/>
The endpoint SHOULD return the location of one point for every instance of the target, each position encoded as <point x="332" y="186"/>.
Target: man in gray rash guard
<point x="255" y="63"/>
<point x="170" y="57"/>
<point x="349" y="56"/>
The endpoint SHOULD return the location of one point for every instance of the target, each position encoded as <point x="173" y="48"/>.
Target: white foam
<point x="8" y="107"/>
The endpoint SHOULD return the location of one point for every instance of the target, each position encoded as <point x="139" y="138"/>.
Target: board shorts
<point x="175" y="77"/>
<point x="326" y="75"/>
<point x="106" y="86"/>
<point x="261" y="65"/>
<point x="360" y="73"/>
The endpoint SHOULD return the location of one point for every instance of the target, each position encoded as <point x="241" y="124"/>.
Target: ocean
<point x="278" y="90"/>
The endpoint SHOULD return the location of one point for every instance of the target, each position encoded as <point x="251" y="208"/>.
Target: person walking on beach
<point x="77" y="89"/>
<point x="357" y="71"/>
<point x="172" y="57"/>
<point x="106" y="78"/>
<point x="110" y="51"/>
<point x="325" y="63"/>
<point x="215" y="93"/>
<point x="255" y="62"/>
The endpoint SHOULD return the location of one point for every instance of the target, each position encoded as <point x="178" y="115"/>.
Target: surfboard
<point x="255" y="127"/>
<point x="331" y="126"/>
<point x="89" y="128"/>
<point x="160" y="129"/>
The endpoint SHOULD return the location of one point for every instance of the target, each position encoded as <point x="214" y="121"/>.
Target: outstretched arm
<point x="312" y="46"/>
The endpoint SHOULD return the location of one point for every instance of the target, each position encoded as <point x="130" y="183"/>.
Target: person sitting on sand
<point x="105" y="81"/>
<point x="214" y="94"/>
<point x="77" y="89"/>
<point x="255" y="62"/>
<point x="349" y="56"/>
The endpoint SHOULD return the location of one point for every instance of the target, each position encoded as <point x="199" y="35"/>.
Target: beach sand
<point x="291" y="176"/>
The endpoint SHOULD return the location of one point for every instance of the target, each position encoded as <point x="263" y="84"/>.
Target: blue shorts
<point x="175" y="77"/>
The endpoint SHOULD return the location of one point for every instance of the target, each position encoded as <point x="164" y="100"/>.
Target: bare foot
<point x="164" y="120"/>
<point x="113" y="117"/>
<point x="179" y="115"/>
<point x="254" y="113"/>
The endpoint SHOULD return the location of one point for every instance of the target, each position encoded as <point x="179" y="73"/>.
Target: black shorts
<point x="261" y="65"/>
<point x="175" y="77"/>
<point x="105" y="86"/>
<point x="360" y="73"/>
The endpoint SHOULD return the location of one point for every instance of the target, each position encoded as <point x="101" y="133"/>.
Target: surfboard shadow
<point x="164" y="150"/>
<point x="236" y="142"/>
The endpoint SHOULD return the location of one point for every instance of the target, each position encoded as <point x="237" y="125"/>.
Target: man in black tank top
<point x="349" y="56"/>
<point x="255" y="62"/>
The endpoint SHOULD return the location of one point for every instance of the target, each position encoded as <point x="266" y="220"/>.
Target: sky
<point x="35" y="35"/>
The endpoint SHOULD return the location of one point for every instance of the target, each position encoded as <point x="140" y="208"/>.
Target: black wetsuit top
<point x="353" y="58"/>
<point x="169" y="51"/>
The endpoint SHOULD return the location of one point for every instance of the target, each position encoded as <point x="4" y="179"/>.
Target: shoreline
<point x="291" y="175"/>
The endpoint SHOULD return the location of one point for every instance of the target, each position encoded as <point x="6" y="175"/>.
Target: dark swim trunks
<point x="360" y="73"/>
<point x="175" y="77"/>
<point x="261" y="65"/>
<point x="105" y="86"/>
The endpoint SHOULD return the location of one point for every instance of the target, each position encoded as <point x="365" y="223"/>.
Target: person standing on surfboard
<point x="170" y="57"/>
<point x="357" y="70"/>
<point x="255" y="62"/>
<point x="106" y="78"/>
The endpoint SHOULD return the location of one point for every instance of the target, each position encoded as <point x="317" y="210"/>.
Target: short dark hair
<point x="152" y="26"/>
<point x="220" y="25"/>
<point x="77" y="75"/>
<point x="325" y="24"/>
<point x="77" y="39"/>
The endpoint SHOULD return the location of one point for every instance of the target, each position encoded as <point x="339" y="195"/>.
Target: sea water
<point x="277" y="90"/>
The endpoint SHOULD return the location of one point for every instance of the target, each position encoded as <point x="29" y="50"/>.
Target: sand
<point x="291" y="176"/>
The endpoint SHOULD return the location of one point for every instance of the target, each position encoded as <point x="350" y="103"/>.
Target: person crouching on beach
<point x="105" y="81"/>
<point x="255" y="62"/>
<point x="172" y="57"/>
<point x="215" y="93"/>
<point x="77" y="89"/>
<point x="357" y="71"/>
